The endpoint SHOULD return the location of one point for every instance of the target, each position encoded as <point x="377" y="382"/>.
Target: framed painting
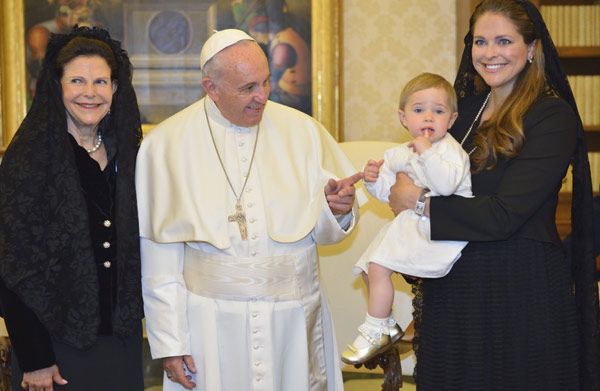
<point x="164" y="40"/>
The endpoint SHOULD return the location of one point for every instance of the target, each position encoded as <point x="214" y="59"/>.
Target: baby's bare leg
<point x="381" y="291"/>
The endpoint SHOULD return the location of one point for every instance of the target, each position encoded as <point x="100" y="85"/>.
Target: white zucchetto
<point x="219" y="41"/>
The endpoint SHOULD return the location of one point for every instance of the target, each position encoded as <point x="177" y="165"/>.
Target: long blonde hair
<point x="502" y="134"/>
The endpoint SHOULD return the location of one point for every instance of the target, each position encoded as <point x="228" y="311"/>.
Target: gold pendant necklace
<point x="239" y="216"/>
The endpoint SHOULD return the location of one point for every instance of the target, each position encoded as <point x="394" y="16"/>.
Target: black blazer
<point x="518" y="197"/>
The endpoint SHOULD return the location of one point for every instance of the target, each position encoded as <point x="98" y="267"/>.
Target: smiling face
<point x="499" y="51"/>
<point x="240" y="84"/>
<point x="87" y="91"/>
<point x="427" y="113"/>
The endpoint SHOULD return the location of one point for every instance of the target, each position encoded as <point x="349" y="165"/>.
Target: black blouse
<point x="518" y="197"/>
<point x="31" y="341"/>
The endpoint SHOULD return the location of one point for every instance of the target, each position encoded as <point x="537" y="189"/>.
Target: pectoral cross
<point x="240" y="218"/>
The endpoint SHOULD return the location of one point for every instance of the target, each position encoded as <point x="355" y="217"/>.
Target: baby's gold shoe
<point x="356" y="356"/>
<point x="395" y="333"/>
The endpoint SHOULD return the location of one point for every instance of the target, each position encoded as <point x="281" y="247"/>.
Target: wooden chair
<point x="5" y="354"/>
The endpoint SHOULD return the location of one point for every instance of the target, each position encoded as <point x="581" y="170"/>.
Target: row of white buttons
<point x="256" y="348"/>
<point x="242" y="142"/>
<point x="107" y="264"/>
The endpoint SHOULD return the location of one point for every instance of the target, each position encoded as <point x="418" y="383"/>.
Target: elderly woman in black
<point x="69" y="253"/>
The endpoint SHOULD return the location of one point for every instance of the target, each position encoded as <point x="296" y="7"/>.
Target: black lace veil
<point x="583" y="261"/>
<point x="46" y="256"/>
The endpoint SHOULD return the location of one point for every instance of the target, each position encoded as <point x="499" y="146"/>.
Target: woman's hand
<point x="42" y="379"/>
<point x="404" y="194"/>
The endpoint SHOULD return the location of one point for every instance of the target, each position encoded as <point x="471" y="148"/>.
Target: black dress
<point x="504" y="318"/>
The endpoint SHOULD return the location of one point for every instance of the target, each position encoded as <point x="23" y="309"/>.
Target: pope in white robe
<point x="232" y="295"/>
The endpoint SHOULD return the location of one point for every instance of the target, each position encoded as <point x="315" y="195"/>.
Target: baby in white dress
<point x="434" y="160"/>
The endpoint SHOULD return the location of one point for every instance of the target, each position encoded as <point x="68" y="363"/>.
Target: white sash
<point x="276" y="278"/>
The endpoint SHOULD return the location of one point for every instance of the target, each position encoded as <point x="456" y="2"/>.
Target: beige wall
<point x="387" y="42"/>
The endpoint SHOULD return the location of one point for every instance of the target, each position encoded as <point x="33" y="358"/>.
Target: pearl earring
<point x="530" y="60"/>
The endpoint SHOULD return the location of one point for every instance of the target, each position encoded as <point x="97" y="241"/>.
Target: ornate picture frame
<point x="325" y="66"/>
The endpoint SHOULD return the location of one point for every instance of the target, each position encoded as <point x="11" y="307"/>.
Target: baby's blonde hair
<point x="428" y="80"/>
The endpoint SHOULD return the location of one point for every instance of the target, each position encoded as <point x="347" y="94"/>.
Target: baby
<point x="435" y="161"/>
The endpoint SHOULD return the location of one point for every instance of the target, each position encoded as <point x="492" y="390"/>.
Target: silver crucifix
<point x="240" y="218"/>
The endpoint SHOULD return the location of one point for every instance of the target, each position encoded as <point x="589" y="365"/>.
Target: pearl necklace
<point x="97" y="145"/>
<point x="487" y="98"/>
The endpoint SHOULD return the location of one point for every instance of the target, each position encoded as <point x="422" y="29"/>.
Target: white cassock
<point x="404" y="244"/>
<point x="251" y="313"/>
